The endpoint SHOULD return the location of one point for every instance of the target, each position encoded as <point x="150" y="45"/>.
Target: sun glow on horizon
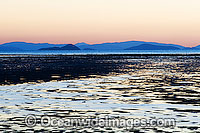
<point x="98" y="21"/>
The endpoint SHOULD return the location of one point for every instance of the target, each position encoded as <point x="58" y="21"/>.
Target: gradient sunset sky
<point x="97" y="21"/>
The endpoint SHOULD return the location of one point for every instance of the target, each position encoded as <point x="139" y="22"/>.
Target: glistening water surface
<point x="136" y="87"/>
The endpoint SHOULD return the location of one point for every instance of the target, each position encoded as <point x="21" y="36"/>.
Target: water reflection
<point x="161" y="87"/>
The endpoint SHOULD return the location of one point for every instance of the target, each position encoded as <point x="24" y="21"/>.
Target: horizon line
<point x="97" y="43"/>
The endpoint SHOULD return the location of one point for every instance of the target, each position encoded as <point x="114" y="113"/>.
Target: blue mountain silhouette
<point x="197" y="47"/>
<point x="66" y="47"/>
<point x="122" y="45"/>
<point x="30" y="46"/>
<point x="5" y="48"/>
<point x="152" y="47"/>
<point x="16" y="46"/>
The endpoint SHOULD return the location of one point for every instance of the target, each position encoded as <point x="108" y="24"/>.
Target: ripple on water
<point x="144" y="93"/>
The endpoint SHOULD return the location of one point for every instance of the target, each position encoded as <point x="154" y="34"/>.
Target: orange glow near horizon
<point x="97" y="21"/>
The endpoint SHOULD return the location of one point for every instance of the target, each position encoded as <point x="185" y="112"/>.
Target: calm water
<point x="70" y="52"/>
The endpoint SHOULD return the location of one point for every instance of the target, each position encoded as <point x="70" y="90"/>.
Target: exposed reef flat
<point x="129" y="86"/>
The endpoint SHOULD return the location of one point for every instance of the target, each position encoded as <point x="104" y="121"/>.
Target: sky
<point x="97" y="21"/>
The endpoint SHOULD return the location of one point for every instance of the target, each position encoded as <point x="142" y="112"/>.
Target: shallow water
<point x="148" y="88"/>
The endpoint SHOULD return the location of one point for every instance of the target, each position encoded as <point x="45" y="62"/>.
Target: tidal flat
<point x="118" y="86"/>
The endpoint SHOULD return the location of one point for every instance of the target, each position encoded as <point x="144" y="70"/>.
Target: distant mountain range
<point x="152" y="47"/>
<point x="122" y="45"/>
<point x="29" y="46"/>
<point x="66" y="47"/>
<point x="128" y="45"/>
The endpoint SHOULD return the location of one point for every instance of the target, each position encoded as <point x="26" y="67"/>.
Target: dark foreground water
<point x="118" y="86"/>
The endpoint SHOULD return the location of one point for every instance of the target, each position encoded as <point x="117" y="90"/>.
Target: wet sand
<point x="130" y="86"/>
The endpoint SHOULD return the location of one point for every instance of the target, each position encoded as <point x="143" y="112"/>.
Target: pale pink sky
<point x="96" y="21"/>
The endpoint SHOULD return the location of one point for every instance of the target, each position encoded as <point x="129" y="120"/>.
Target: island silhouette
<point x="127" y="45"/>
